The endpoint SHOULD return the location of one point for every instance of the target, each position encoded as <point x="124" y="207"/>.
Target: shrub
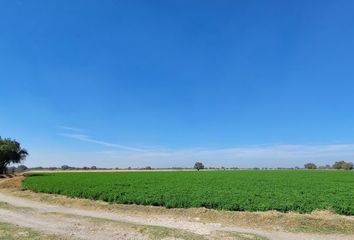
<point x="310" y="166"/>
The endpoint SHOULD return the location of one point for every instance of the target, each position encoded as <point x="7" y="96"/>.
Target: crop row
<point x="300" y="191"/>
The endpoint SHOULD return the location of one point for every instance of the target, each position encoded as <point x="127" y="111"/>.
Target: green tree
<point x="198" y="166"/>
<point x="65" y="167"/>
<point x="348" y="166"/>
<point x="343" y="165"/>
<point x="338" y="165"/>
<point x="21" y="168"/>
<point x="310" y="166"/>
<point x="10" y="152"/>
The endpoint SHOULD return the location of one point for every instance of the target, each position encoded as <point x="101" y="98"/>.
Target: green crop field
<point x="300" y="191"/>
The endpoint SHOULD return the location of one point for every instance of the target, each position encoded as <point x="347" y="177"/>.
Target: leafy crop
<point x="300" y="191"/>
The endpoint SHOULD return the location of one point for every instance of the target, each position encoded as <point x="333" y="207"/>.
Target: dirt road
<point x="74" y="223"/>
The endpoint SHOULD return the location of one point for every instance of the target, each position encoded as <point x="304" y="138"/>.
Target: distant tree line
<point x="337" y="165"/>
<point x="18" y="169"/>
<point x="66" y="167"/>
<point x="11" y="152"/>
<point x="200" y="166"/>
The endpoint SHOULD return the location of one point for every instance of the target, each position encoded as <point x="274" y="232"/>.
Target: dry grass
<point x="11" y="181"/>
<point x="164" y="233"/>
<point x="13" y="232"/>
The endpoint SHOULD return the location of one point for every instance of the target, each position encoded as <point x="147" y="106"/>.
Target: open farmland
<point x="300" y="191"/>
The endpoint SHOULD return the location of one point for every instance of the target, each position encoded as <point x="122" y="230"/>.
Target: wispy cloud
<point x="86" y="138"/>
<point x="71" y="129"/>
<point x="274" y="155"/>
<point x="249" y="156"/>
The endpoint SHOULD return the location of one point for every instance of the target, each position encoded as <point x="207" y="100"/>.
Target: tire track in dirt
<point x="160" y="221"/>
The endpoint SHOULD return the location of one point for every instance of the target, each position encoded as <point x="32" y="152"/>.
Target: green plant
<point x="10" y="152"/>
<point x="247" y="190"/>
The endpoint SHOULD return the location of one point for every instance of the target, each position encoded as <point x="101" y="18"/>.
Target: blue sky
<point x="167" y="83"/>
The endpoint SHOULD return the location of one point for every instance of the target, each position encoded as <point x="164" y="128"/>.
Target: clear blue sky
<point x="167" y="83"/>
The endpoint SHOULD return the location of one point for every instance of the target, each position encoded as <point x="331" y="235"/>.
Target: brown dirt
<point x="11" y="181"/>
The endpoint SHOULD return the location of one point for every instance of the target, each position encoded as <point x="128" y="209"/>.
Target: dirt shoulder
<point x="145" y="222"/>
<point x="10" y="181"/>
